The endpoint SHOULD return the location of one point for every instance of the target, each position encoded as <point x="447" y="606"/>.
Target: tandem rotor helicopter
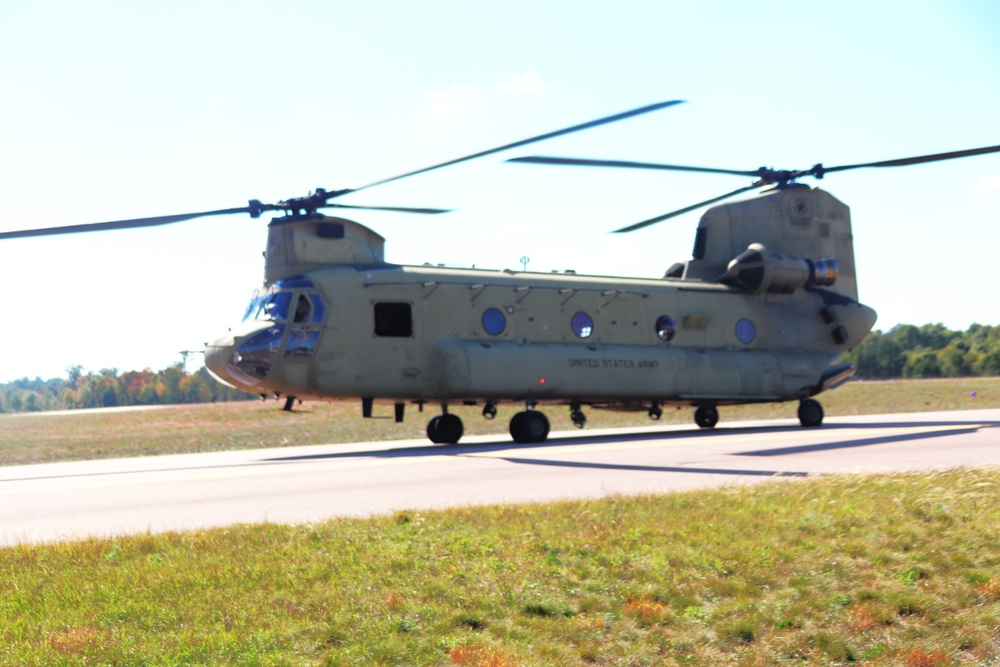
<point x="760" y="313"/>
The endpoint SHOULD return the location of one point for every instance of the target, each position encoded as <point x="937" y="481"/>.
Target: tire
<point x="529" y="426"/>
<point x="432" y="429"/>
<point x="706" y="416"/>
<point x="445" y="429"/>
<point x="810" y="413"/>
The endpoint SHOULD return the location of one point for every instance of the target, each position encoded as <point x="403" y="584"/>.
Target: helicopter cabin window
<point x="393" y="320"/>
<point x="494" y="322"/>
<point x="666" y="328"/>
<point x="746" y="331"/>
<point x="583" y="325"/>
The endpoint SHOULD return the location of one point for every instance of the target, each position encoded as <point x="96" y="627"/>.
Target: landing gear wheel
<point x="529" y="426"/>
<point x="490" y="410"/>
<point x="706" y="416"/>
<point x="445" y="429"/>
<point x="655" y="412"/>
<point x="810" y="413"/>
<point x="578" y="418"/>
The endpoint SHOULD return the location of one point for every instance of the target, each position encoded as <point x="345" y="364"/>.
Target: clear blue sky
<point x="115" y="109"/>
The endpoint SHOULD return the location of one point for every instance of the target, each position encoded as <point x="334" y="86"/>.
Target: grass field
<point x="901" y="570"/>
<point x="36" y="438"/>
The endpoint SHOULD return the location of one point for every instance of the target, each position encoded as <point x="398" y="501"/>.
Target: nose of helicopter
<point x="217" y="356"/>
<point x="242" y="358"/>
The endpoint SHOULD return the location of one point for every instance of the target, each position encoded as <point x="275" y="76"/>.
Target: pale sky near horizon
<point x="116" y="109"/>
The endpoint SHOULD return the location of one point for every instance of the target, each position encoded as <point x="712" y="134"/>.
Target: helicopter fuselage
<point x="433" y="334"/>
<point x="334" y="320"/>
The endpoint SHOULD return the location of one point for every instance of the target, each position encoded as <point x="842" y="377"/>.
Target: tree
<point x="989" y="364"/>
<point x="74" y="373"/>
<point x="954" y="360"/>
<point x="878" y="356"/>
<point x="922" y="364"/>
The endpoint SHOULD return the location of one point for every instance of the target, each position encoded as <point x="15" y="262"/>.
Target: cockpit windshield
<point x="271" y="306"/>
<point x="275" y="304"/>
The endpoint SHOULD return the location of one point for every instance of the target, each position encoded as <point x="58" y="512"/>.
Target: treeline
<point x="928" y="351"/>
<point x="110" y="388"/>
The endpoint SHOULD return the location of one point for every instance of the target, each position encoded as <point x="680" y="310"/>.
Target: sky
<point x="115" y="109"/>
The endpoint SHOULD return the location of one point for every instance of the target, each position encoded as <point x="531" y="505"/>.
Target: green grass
<point x="35" y="438"/>
<point x="898" y="570"/>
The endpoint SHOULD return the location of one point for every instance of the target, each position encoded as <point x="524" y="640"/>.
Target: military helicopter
<point x="760" y="313"/>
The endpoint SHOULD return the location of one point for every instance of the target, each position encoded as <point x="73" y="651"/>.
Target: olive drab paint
<point x="760" y="313"/>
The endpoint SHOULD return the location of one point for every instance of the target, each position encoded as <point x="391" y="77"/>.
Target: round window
<point x="666" y="328"/>
<point x="746" y="331"/>
<point x="494" y="322"/>
<point x="583" y="325"/>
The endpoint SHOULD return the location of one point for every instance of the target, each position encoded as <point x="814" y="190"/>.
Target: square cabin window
<point x="393" y="319"/>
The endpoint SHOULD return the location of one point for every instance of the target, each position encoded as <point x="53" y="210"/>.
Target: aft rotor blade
<point x="120" y="224"/>
<point x="672" y="214"/>
<point x="583" y="162"/>
<point x="398" y="209"/>
<point x="903" y="162"/>
<point x="525" y="142"/>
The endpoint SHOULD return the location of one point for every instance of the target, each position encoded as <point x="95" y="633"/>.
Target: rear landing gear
<point x="445" y="429"/>
<point x="706" y="416"/>
<point x="810" y="413"/>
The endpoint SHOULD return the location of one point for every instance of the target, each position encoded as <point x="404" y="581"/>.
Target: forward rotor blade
<point x="524" y="142"/>
<point x="583" y="162"/>
<point x="903" y="162"/>
<point x="121" y="224"/>
<point x="672" y="214"/>
<point x="398" y="209"/>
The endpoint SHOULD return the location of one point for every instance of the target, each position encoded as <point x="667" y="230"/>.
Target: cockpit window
<point x="319" y="308"/>
<point x="302" y="309"/>
<point x="301" y="343"/>
<point x="254" y="357"/>
<point x="281" y="304"/>
<point x="253" y="306"/>
<point x="271" y="306"/>
<point x="275" y="307"/>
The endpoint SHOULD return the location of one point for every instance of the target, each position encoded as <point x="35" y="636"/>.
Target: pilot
<point x="302" y="309"/>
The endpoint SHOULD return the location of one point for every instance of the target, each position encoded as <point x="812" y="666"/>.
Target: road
<point x="57" y="501"/>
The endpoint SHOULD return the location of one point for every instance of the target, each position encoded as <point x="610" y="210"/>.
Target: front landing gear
<point x="706" y="416"/>
<point x="529" y="426"/>
<point x="810" y="413"/>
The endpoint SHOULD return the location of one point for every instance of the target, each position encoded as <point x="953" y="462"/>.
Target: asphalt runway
<point x="58" y="501"/>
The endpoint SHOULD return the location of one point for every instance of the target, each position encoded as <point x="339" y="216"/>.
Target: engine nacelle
<point x="758" y="270"/>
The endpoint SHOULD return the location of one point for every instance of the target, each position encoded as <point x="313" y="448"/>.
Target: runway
<point x="58" y="501"/>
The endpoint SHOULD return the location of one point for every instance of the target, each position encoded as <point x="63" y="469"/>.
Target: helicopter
<point x="762" y="311"/>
